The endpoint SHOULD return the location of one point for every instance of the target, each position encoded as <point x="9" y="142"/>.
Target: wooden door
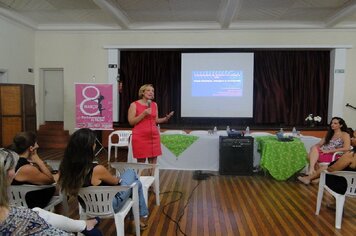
<point x="17" y="111"/>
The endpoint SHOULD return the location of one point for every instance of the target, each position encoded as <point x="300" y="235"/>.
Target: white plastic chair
<point x="98" y="202"/>
<point x="122" y="141"/>
<point x="335" y="155"/>
<point x="17" y="195"/>
<point x="172" y="131"/>
<point x="350" y="176"/>
<point x="146" y="181"/>
<point x="130" y="158"/>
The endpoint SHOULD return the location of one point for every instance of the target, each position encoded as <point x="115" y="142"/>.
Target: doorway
<point x="53" y="94"/>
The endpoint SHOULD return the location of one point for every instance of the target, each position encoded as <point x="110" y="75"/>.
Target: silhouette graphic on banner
<point x="94" y="106"/>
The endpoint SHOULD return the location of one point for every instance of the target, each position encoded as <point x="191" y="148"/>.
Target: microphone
<point x="149" y="103"/>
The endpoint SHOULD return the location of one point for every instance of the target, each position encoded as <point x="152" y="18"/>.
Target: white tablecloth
<point x="203" y="154"/>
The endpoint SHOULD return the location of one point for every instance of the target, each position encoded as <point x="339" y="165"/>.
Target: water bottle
<point x="247" y="131"/>
<point x="215" y="130"/>
<point x="228" y="129"/>
<point x="294" y="132"/>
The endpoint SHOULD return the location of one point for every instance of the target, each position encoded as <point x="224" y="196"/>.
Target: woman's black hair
<point x="22" y="141"/>
<point x="331" y="132"/>
<point x="77" y="160"/>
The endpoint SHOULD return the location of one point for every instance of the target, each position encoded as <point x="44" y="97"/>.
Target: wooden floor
<point x="231" y="205"/>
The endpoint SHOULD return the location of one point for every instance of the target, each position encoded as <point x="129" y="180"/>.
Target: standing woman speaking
<point x="143" y="115"/>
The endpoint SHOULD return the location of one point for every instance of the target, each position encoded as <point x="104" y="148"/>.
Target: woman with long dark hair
<point x="337" y="139"/>
<point x="77" y="170"/>
<point x="24" y="221"/>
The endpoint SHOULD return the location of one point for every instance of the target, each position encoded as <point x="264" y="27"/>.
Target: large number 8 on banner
<point x="89" y="99"/>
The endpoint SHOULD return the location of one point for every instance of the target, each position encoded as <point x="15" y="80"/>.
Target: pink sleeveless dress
<point x="146" y="140"/>
<point x="332" y="145"/>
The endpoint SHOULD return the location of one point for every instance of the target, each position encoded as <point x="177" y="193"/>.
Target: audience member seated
<point x="346" y="162"/>
<point x="353" y="136"/>
<point x="24" y="221"/>
<point x="30" y="169"/>
<point x="77" y="170"/>
<point x="336" y="140"/>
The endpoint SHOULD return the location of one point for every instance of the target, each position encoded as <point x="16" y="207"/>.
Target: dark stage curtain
<point x="159" y="68"/>
<point x="288" y="85"/>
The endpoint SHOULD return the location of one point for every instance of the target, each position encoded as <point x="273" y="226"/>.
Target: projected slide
<point x="217" y="83"/>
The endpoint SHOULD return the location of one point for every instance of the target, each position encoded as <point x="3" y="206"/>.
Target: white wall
<point x="17" y="52"/>
<point x="337" y="83"/>
<point x="82" y="54"/>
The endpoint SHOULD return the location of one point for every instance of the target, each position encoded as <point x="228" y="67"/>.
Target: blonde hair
<point x="142" y="89"/>
<point x="8" y="161"/>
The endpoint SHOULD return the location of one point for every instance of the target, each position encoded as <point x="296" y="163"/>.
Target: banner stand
<point x="101" y="147"/>
<point x="94" y="109"/>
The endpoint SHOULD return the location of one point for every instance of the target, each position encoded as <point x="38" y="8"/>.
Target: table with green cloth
<point x="189" y="152"/>
<point x="281" y="159"/>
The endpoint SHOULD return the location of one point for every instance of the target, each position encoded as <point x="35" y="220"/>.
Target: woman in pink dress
<point x="336" y="140"/>
<point x="143" y="115"/>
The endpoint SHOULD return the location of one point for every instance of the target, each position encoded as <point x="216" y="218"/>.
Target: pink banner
<point x="94" y="106"/>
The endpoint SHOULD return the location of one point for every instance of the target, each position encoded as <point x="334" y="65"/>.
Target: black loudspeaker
<point x="235" y="155"/>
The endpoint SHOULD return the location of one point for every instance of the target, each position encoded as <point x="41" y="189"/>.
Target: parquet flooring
<point x="231" y="205"/>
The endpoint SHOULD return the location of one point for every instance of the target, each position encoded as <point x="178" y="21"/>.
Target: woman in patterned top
<point x="24" y="221"/>
<point x="347" y="162"/>
<point x="337" y="139"/>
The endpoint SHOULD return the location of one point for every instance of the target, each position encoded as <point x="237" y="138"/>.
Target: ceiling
<point x="180" y="14"/>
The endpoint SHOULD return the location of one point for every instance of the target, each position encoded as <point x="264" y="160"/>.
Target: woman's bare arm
<point x="343" y="162"/>
<point x="101" y="174"/>
<point x="132" y="118"/>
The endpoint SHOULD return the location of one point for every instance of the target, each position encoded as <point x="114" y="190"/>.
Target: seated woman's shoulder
<point x="99" y="169"/>
<point x="345" y="134"/>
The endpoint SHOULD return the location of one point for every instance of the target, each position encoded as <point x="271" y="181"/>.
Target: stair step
<point x="53" y="145"/>
<point x="54" y="125"/>
<point x="51" y="132"/>
<point x="52" y="135"/>
<point x="52" y="139"/>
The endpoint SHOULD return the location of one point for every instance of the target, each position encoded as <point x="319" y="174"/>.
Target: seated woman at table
<point x="346" y="162"/>
<point x="30" y="169"/>
<point x="337" y="139"/>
